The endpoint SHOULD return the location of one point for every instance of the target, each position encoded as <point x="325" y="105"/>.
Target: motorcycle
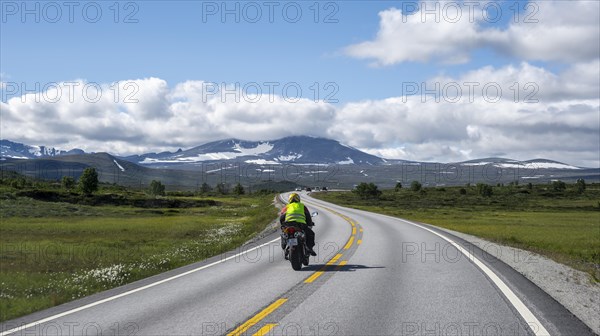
<point x="293" y="239"/>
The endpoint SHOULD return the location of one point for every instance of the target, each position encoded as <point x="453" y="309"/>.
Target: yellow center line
<point x="337" y="256"/>
<point x="333" y="260"/>
<point x="273" y="306"/>
<point x="257" y="318"/>
<point x="265" y="329"/>
<point x="314" y="277"/>
<point x="317" y="274"/>
<point x="349" y="243"/>
<point x="358" y="242"/>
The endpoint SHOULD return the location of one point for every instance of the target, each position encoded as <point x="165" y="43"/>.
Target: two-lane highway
<point x="374" y="275"/>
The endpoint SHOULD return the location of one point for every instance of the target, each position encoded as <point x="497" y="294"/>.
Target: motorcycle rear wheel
<point x="296" y="259"/>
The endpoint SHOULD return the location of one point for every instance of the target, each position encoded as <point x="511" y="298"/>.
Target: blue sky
<point x="370" y="51"/>
<point x="181" y="40"/>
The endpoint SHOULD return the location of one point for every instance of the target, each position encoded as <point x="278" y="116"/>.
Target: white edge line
<point x="68" y="312"/>
<point x="534" y="324"/>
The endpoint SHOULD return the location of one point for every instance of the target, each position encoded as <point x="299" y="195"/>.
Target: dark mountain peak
<point x="305" y="139"/>
<point x="226" y="145"/>
<point x="75" y="151"/>
<point x="103" y="155"/>
<point x="307" y="149"/>
<point x="298" y="149"/>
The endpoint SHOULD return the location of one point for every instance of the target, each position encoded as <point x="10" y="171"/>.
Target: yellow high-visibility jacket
<point x="295" y="213"/>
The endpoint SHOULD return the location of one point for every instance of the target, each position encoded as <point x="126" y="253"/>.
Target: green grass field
<point x="564" y="226"/>
<point x="54" y="252"/>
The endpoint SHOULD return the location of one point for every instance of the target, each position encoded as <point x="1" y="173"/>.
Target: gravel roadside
<point x="574" y="289"/>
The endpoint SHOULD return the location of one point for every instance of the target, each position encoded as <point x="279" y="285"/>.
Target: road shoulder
<point x="571" y="288"/>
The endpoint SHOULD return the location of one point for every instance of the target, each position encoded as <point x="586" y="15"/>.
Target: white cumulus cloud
<point x="147" y="115"/>
<point x="557" y="124"/>
<point x="560" y="123"/>
<point x="547" y="30"/>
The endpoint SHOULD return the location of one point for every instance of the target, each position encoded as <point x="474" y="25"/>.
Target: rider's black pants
<point x="310" y="236"/>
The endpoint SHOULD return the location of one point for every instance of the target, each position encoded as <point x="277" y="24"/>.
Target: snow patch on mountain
<point x="512" y="164"/>
<point x="347" y="161"/>
<point x="35" y="151"/>
<point x="119" y="166"/>
<point x="259" y="149"/>
<point x="483" y="163"/>
<point x="153" y="161"/>
<point x="532" y="177"/>
<point x="537" y="165"/>
<point x="15" y="150"/>
<point x="238" y="151"/>
<point x="262" y="162"/>
<point x="291" y="157"/>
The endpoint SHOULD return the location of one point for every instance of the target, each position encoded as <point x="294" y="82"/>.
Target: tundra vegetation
<point x="63" y="240"/>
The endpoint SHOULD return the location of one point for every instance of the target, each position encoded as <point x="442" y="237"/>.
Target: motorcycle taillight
<point x="290" y="230"/>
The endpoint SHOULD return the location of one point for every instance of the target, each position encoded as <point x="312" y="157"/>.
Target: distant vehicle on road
<point x="324" y="188"/>
<point x="298" y="189"/>
<point x="317" y="188"/>
<point x="308" y="189"/>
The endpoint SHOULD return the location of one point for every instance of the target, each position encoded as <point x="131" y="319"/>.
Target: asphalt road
<point x="374" y="275"/>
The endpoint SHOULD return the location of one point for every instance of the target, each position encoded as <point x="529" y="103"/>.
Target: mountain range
<point x="294" y="150"/>
<point x="287" y="162"/>
<point x="15" y="150"/>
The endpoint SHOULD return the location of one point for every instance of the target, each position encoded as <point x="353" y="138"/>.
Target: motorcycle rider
<point x="296" y="212"/>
